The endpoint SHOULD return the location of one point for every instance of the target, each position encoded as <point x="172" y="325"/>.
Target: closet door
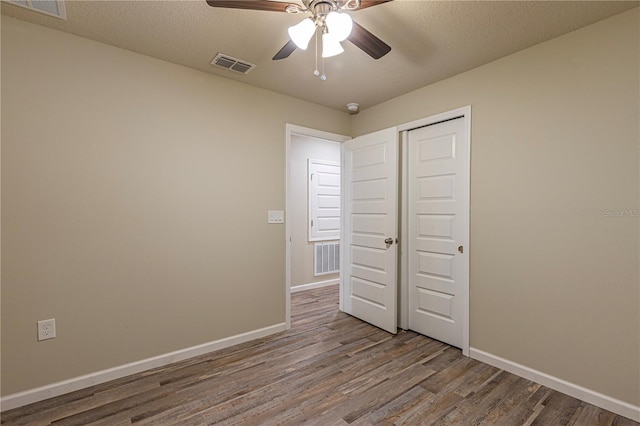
<point x="370" y="228"/>
<point x="438" y="216"/>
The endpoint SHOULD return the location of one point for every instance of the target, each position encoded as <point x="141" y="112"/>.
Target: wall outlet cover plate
<point x="46" y="329"/>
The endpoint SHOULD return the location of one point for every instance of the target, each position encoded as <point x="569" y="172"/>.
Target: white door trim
<point x="465" y="113"/>
<point x="292" y="129"/>
<point x="403" y="268"/>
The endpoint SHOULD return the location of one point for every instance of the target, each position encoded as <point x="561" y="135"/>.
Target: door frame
<point x="292" y="129"/>
<point x="403" y="315"/>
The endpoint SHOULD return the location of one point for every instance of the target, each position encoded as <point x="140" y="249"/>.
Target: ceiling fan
<point x="326" y="17"/>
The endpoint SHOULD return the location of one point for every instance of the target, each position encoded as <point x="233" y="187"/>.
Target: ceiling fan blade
<point x="287" y="50"/>
<point x="370" y="44"/>
<point x="368" y="3"/>
<point x="271" y="6"/>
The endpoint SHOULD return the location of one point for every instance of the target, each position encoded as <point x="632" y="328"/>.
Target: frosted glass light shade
<point x="330" y="46"/>
<point x="301" y="33"/>
<point x="339" y="25"/>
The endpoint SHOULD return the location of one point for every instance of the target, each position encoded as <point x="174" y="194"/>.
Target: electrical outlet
<point x="46" y="329"/>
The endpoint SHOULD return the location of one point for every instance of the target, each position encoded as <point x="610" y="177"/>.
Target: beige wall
<point x="555" y="147"/>
<point x="134" y="205"/>
<point x="302" y="149"/>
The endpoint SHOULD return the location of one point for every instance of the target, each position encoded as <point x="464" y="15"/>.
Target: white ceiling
<point x="430" y="40"/>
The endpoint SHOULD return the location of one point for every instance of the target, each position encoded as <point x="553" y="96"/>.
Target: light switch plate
<point x="275" y="216"/>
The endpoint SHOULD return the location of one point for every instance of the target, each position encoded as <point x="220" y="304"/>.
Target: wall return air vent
<point x="327" y="258"/>
<point x="233" y="64"/>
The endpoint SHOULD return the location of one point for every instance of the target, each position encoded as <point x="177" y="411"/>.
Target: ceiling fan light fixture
<point x="301" y="33"/>
<point x="330" y="46"/>
<point x="339" y="25"/>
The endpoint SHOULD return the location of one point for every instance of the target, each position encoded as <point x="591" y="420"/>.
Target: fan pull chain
<point x="316" y="72"/>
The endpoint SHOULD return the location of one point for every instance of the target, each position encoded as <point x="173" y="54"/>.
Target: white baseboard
<point x="587" y="395"/>
<point x="60" y="388"/>
<point x="302" y="287"/>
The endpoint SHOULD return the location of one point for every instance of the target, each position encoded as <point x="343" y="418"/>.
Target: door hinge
<point x="312" y="223"/>
<point x="311" y="176"/>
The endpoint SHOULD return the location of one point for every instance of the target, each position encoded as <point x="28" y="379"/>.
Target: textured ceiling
<point x="430" y="40"/>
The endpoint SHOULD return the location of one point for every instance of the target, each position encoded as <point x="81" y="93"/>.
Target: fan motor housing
<point x="321" y="8"/>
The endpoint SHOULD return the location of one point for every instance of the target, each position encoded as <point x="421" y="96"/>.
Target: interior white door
<point x="324" y="200"/>
<point x="438" y="217"/>
<point x="370" y="228"/>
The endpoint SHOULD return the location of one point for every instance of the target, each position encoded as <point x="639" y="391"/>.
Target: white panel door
<point x="324" y="200"/>
<point x="370" y="228"/>
<point x="438" y="203"/>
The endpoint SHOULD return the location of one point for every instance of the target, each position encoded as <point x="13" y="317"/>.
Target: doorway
<point x="312" y="238"/>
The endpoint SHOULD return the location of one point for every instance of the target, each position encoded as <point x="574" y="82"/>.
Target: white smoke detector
<point x="353" y="107"/>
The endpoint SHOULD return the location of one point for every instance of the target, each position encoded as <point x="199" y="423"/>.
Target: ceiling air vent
<point x="48" y="7"/>
<point x="233" y="64"/>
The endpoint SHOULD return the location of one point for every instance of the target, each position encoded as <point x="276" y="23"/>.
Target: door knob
<point x="388" y="241"/>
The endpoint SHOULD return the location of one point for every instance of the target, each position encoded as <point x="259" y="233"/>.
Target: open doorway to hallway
<point x="313" y="210"/>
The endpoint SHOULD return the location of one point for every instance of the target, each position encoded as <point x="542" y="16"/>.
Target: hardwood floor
<point x="329" y="369"/>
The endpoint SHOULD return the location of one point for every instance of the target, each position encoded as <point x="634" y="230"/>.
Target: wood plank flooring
<point x="329" y="369"/>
